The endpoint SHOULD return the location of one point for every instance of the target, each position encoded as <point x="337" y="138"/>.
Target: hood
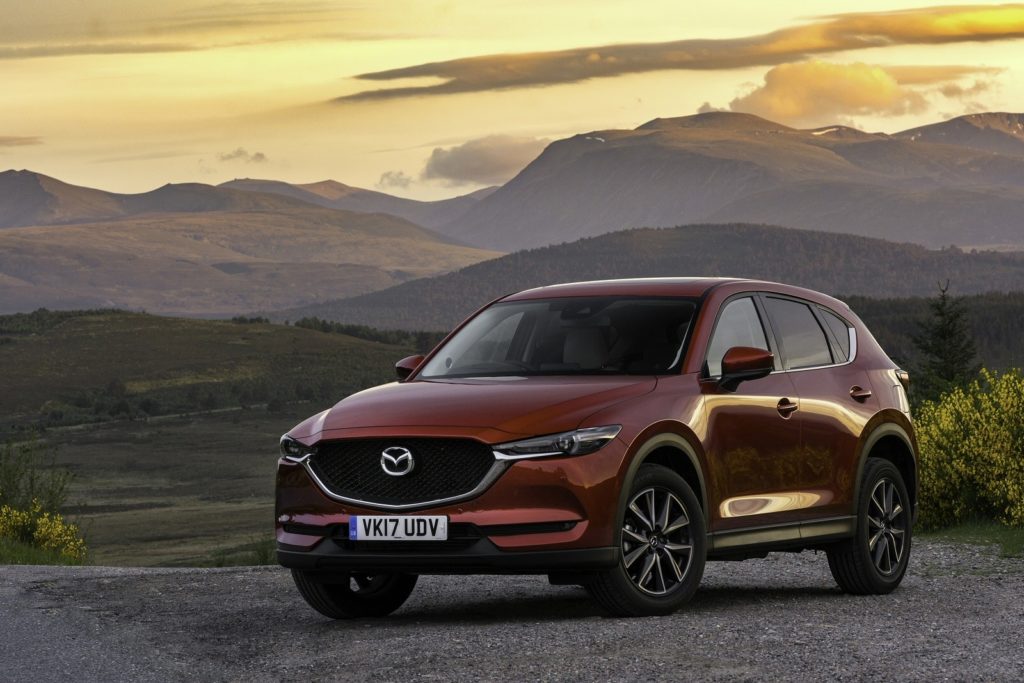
<point x="517" y="406"/>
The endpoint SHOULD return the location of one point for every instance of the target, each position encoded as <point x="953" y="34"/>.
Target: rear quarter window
<point x="804" y="344"/>
<point x="840" y="330"/>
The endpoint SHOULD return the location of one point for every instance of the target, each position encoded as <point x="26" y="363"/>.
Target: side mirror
<point x="741" y="363"/>
<point x="405" y="367"/>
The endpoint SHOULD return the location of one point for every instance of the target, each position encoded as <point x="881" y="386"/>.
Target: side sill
<point x="794" y="534"/>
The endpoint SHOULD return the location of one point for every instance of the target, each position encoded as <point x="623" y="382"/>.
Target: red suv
<point x="615" y="435"/>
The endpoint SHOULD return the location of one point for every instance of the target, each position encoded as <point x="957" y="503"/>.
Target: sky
<point x="435" y="98"/>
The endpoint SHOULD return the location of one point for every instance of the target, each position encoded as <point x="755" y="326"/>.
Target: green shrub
<point x="972" y="452"/>
<point x="46" y="531"/>
<point x="31" y="493"/>
<point x="25" y="477"/>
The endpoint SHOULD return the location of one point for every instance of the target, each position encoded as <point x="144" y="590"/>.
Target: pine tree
<point x="947" y="348"/>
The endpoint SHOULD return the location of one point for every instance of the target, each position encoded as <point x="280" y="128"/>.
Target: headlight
<point x="294" y="450"/>
<point x="579" y="442"/>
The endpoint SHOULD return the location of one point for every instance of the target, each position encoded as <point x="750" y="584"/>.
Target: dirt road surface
<point x="959" y="615"/>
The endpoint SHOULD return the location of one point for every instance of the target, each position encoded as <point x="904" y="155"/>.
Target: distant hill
<point x="199" y="250"/>
<point x="333" y="194"/>
<point x="833" y="263"/>
<point x="997" y="132"/>
<point x="958" y="182"/>
<point x="29" y="198"/>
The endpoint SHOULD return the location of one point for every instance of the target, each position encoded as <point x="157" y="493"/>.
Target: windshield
<point x="571" y="336"/>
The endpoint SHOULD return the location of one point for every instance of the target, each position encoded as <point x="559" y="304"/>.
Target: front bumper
<point x="483" y="557"/>
<point x="540" y="516"/>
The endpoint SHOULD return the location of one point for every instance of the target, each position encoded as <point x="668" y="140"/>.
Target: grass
<point x="104" y="365"/>
<point x="14" y="552"/>
<point x="192" y="481"/>
<point x="984" y="532"/>
<point x="258" y="551"/>
<point x="196" y="491"/>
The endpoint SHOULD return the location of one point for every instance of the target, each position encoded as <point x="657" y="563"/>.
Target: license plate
<point x="397" y="528"/>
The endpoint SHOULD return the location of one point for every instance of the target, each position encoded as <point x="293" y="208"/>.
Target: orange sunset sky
<point x="431" y="98"/>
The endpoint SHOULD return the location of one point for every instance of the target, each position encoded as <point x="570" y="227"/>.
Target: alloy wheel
<point x="887" y="527"/>
<point x="656" y="546"/>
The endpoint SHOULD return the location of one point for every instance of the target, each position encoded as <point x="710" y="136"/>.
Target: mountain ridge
<point x="834" y="263"/>
<point x="197" y="249"/>
<point x="707" y="167"/>
<point x="337" y="195"/>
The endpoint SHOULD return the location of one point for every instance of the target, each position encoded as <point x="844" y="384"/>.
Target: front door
<point x="753" y="433"/>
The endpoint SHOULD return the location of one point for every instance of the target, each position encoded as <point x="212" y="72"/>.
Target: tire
<point x="349" y="595"/>
<point x="658" y="572"/>
<point x="874" y="561"/>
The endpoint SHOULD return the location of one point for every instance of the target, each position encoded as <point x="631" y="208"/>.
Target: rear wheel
<point x="874" y="561"/>
<point x="350" y="595"/>
<point x="663" y="546"/>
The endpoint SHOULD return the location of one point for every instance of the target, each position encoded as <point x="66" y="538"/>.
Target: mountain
<point x="28" y="198"/>
<point x="997" y="132"/>
<point x="333" y="194"/>
<point x="936" y="189"/>
<point x="199" y="250"/>
<point x="833" y="263"/>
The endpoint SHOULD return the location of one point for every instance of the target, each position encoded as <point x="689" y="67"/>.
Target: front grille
<point x="444" y="468"/>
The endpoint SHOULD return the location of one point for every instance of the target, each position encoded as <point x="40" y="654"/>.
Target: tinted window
<point x="570" y="336"/>
<point x="841" y="331"/>
<point x="803" y="341"/>
<point x="738" y="325"/>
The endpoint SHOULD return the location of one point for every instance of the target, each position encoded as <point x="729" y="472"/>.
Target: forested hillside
<point x="829" y="262"/>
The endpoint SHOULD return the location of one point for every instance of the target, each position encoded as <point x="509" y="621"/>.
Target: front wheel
<point x="349" y="595"/>
<point x="874" y="561"/>
<point x="663" y="547"/>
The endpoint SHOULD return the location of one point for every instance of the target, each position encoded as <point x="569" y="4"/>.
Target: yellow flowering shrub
<point x="972" y="452"/>
<point x="45" y="530"/>
<point x="16" y="524"/>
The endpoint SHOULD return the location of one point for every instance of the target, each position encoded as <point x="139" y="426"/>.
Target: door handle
<point x="859" y="394"/>
<point x="786" y="407"/>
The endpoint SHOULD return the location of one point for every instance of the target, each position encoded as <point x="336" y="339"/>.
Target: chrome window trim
<point x="497" y="469"/>
<point x="765" y="330"/>
<point x="853" y="357"/>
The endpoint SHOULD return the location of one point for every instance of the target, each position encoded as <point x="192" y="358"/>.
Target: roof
<point x="668" y="286"/>
<point x="652" y="286"/>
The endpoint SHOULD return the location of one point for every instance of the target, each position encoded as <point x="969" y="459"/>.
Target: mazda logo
<point x="397" y="461"/>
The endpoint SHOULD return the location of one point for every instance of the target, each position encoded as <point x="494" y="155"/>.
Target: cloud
<point x="817" y="93"/>
<point x="19" y="141"/>
<point x="240" y="154"/>
<point x="489" y="160"/>
<point x="71" y="27"/>
<point x="390" y="179"/>
<point x="960" y="92"/>
<point x="842" y="32"/>
<point x="31" y="51"/>
<point x="707" y="108"/>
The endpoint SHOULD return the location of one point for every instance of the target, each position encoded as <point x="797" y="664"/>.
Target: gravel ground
<point x="959" y="615"/>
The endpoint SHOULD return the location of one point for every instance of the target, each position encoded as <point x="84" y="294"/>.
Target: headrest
<point x="585" y="347"/>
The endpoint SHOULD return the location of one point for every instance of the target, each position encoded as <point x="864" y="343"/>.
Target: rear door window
<point x="803" y="342"/>
<point x="738" y="325"/>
